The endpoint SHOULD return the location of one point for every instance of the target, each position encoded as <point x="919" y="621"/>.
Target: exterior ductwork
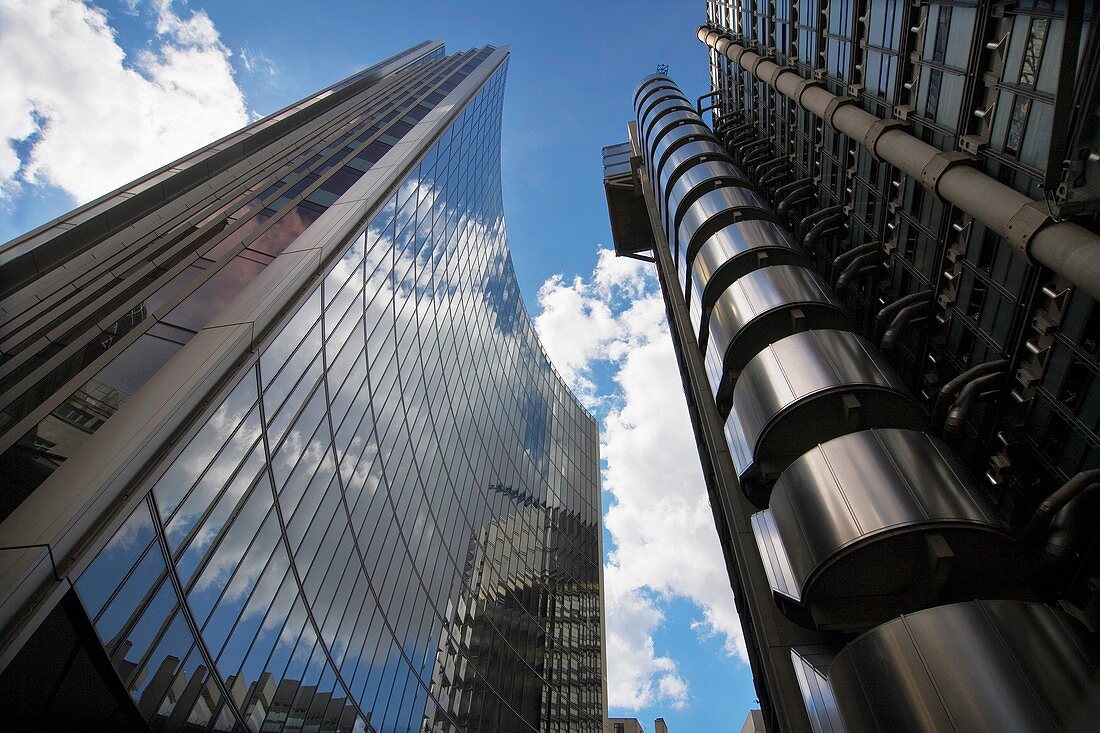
<point x="883" y="522"/>
<point x="981" y="667"/>
<point x="1066" y="248"/>
<point x="803" y="390"/>
<point x="931" y="169"/>
<point x="728" y="255"/>
<point x="758" y="309"/>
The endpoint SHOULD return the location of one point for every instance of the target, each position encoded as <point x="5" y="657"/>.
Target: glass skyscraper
<point x="881" y="264"/>
<point x="280" y="448"/>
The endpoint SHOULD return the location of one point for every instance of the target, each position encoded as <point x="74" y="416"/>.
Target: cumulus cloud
<point x="612" y="325"/>
<point x="77" y="113"/>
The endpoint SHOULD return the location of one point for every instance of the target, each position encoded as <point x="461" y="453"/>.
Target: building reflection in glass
<point x="395" y="464"/>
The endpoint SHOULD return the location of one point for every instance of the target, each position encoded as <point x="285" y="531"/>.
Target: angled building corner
<point x="281" y="446"/>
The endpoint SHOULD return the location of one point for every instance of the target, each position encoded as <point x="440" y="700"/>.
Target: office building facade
<point x="881" y="262"/>
<point x="281" y="449"/>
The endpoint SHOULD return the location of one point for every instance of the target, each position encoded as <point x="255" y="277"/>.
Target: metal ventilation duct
<point x="758" y="309"/>
<point x="882" y="522"/>
<point x="978" y="667"/>
<point x="733" y="252"/>
<point x="803" y="390"/>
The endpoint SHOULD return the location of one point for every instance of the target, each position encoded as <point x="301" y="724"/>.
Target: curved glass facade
<point x="388" y="520"/>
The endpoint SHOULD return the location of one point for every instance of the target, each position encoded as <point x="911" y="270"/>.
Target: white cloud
<point x="660" y="519"/>
<point x="77" y="113"/>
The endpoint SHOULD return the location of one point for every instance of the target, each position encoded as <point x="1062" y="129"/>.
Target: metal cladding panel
<point x="759" y="308"/>
<point x="979" y="667"/>
<point x="692" y="184"/>
<point x="673" y="137"/>
<point x="731" y="253"/>
<point x="649" y="84"/>
<point x="866" y="518"/>
<point x="712" y="209"/>
<point x="803" y="390"/>
<point x="656" y="104"/>
<point x="661" y="115"/>
<point x="683" y="159"/>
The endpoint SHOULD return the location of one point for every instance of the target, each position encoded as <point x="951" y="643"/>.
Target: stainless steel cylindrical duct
<point x="882" y="522"/>
<point x="980" y="667"/>
<point x="803" y="390"/>
<point x="757" y="309"/>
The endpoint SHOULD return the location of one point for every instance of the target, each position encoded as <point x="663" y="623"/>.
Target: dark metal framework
<point x="880" y="266"/>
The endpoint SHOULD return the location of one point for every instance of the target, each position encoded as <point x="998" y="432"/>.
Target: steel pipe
<point x="1068" y="249"/>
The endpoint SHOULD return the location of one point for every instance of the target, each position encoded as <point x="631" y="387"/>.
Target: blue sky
<point x="676" y="651"/>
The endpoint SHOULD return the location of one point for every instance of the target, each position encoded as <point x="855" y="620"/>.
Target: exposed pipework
<point x="844" y="258"/>
<point x="777" y="174"/>
<point x="800" y="192"/>
<point x="857" y="268"/>
<point x="1068" y="249"/>
<point x="950" y="388"/>
<point x="888" y="311"/>
<point x="1069" y="491"/>
<point x="832" y="224"/>
<point x="1068" y="526"/>
<point x="907" y="317"/>
<point x="741" y="153"/>
<point x="813" y="217"/>
<point x="768" y="165"/>
<point x="968" y="395"/>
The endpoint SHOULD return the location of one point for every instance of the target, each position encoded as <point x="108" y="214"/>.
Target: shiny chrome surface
<point x="721" y="260"/>
<point x="665" y="119"/>
<point x="684" y="159"/>
<point x="660" y="94"/>
<point x="709" y="213"/>
<point x="882" y="522"/>
<point x="759" y="308"/>
<point x="655" y="118"/>
<point x="672" y="138"/>
<point x="811" y="667"/>
<point x="697" y="180"/>
<point x="648" y="85"/>
<point x="806" y="389"/>
<point x="978" y="667"/>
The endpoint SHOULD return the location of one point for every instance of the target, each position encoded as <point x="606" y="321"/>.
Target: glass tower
<point x="281" y="449"/>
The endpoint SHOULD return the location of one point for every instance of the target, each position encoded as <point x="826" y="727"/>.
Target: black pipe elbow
<point x="794" y="185"/>
<point x="1066" y="493"/>
<point x="951" y="387"/>
<point x="968" y="395"/>
<point x="845" y="257"/>
<point x="905" y="318"/>
<point x="818" y="230"/>
<point x="1068" y="526"/>
<point x="861" y="265"/>
<point x="813" y="217"/>
<point x="888" y="311"/>
<point x="796" y="196"/>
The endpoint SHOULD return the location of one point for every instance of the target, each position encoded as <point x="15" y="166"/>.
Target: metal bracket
<point x="834" y="104"/>
<point x="1025" y="223"/>
<point x="772" y="78"/>
<point x="806" y="84"/>
<point x="940" y="164"/>
<point x="870" y="140"/>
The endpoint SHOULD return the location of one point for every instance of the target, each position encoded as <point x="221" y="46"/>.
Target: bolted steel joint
<point x="834" y="104"/>
<point x="940" y="164"/>
<point x="870" y="140"/>
<point x="1025" y="224"/>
